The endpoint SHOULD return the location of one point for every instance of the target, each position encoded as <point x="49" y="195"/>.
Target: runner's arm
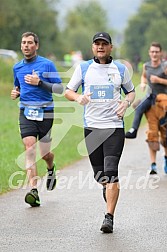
<point x="51" y="87"/>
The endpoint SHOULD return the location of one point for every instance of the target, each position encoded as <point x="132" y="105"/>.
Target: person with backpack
<point x="154" y="77"/>
<point x="102" y="80"/>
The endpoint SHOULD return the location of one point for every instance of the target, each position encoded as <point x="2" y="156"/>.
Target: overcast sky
<point x="118" y="11"/>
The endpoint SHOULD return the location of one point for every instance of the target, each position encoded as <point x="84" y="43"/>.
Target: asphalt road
<point x="70" y="217"/>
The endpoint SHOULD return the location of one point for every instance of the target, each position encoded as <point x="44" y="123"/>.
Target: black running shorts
<point x="38" y="129"/>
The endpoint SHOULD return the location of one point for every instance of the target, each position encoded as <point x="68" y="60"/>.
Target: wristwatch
<point x="40" y="83"/>
<point x="129" y="103"/>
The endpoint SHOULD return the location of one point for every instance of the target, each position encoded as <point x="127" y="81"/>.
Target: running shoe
<point x="165" y="165"/>
<point x="153" y="169"/>
<point x="107" y="226"/>
<point x="32" y="198"/>
<point x="132" y="133"/>
<point x="51" y="179"/>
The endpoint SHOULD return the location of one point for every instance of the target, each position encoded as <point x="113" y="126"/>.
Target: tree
<point x="81" y="24"/>
<point x="148" y="25"/>
<point x="20" y="16"/>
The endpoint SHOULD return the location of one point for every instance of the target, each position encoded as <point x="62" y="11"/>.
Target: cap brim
<point x="100" y="38"/>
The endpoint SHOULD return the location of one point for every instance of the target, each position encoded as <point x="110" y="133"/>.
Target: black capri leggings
<point x="104" y="148"/>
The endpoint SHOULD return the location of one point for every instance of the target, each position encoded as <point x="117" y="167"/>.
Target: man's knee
<point x="108" y="173"/>
<point x="47" y="156"/>
<point x="154" y="145"/>
<point x="111" y="168"/>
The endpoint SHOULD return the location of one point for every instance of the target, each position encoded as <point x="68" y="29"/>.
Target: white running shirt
<point x="105" y="81"/>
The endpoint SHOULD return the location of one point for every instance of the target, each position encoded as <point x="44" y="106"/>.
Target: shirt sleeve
<point x="51" y="75"/>
<point x="16" y="82"/>
<point x="127" y="84"/>
<point x="76" y="79"/>
<point x="165" y="69"/>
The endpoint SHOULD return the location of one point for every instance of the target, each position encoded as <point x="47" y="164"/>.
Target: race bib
<point x="101" y="93"/>
<point x="33" y="113"/>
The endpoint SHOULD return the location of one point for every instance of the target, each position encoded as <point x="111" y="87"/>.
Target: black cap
<point x="102" y="35"/>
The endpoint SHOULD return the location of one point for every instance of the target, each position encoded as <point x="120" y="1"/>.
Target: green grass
<point x="10" y="143"/>
<point x="66" y="152"/>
